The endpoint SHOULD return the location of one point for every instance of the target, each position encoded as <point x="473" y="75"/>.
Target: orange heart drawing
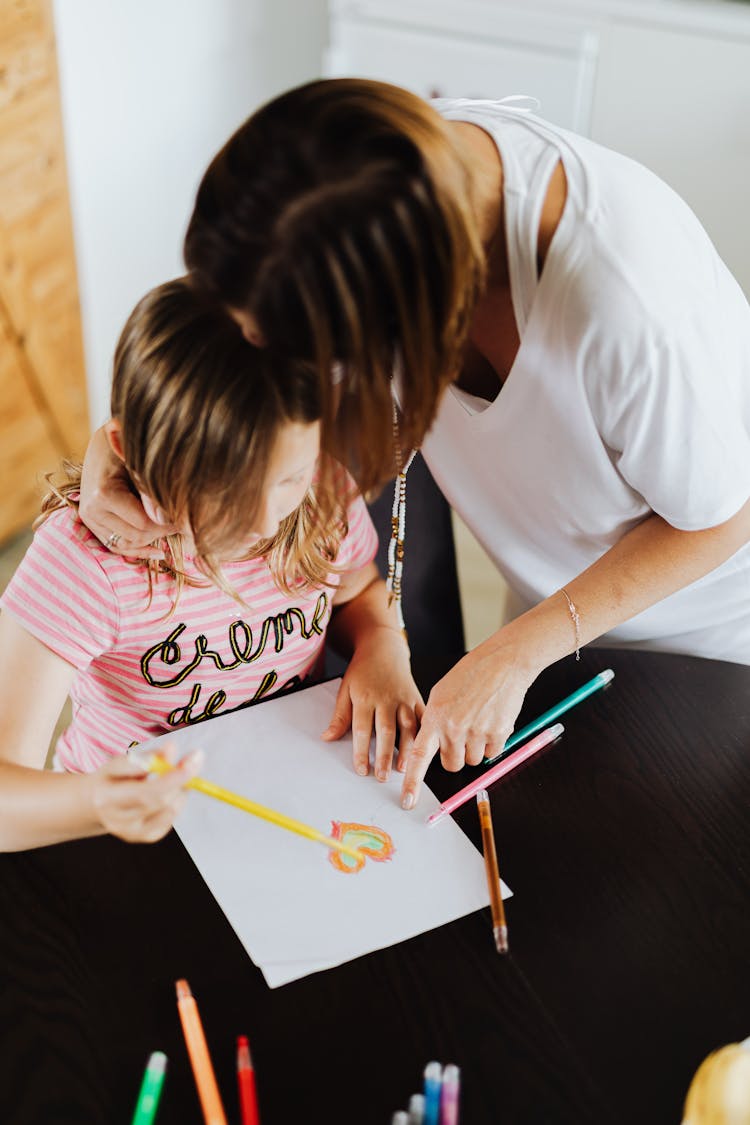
<point x="368" y="838"/>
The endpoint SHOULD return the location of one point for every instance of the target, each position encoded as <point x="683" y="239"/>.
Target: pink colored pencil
<point x="500" y="770"/>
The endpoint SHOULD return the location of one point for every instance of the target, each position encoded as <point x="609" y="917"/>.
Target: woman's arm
<point x="471" y="711"/>
<point x="377" y="690"/>
<point x="108" y="506"/>
<point x="39" y="807"/>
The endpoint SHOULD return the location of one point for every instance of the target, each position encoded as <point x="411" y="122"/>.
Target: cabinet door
<point x="43" y="401"/>
<point x="521" y="58"/>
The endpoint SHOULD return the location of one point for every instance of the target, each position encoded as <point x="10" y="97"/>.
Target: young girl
<point x="270" y="540"/>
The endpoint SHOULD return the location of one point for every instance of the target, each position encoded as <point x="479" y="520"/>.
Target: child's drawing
<point x="370" y="840"/>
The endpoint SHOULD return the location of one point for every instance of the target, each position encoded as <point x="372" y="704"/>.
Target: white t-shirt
<point x="630" y="393"/>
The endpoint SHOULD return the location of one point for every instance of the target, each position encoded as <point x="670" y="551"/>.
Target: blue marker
<point x="560" y="708"/>
<point x="433" y="1074"/>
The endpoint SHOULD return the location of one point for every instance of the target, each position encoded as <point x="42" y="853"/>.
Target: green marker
<point x="150" y="1092"/>
<point x="583" y="692"/>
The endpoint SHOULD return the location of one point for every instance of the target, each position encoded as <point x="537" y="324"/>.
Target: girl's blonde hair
<point x="200" y="410"/>
<point x="340" y="217"/>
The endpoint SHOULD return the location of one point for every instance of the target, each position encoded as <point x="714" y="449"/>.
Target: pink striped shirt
<point x="140" y="672"/>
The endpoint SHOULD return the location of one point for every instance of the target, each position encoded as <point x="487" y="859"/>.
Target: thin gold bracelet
<point x="575" y="618"/>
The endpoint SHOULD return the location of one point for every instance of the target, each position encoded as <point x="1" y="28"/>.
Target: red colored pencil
<point x="246" y="1083"/>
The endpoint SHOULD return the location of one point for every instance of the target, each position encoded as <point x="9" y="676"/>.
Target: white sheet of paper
<point x="292" y="910"/>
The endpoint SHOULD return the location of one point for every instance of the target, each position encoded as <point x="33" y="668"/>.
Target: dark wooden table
<point x="627" y="846"/>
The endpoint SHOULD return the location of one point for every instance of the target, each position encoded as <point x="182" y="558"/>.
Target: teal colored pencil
<point x="150" y="1091"/>
<point x="548" y="717"/>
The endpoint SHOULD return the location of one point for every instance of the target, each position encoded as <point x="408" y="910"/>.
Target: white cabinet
<point x="664" y="81"/>
<point x="469" y="50"/>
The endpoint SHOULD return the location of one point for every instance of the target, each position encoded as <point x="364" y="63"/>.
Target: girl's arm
<point x="39" y="807"/>
<point x="471" y="711"/>
<point x="109" y="506"/>
<point x="377" y="690"/>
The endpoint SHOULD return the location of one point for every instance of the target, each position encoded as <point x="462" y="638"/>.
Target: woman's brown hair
<point x="200" y="409"/>
<point x="340" y="217"/>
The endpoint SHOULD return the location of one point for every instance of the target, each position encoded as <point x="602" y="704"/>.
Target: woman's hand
<point x="378" y="694"/>
<point x="109" y="507"/>
<point x="470" y="713"/>
<point x="136" y="805"/>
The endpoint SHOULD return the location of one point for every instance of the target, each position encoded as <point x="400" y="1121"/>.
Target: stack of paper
<point x="293" y="910"/>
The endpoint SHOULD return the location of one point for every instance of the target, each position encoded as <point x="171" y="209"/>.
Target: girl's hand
<point x="136" y="805"/>
<point x="378" y="693"/>
<point x="470" y="713"/>
<point x="109" y="507"/>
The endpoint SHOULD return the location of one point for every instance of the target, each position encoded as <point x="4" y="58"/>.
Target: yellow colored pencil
<point x="157" y="764"/>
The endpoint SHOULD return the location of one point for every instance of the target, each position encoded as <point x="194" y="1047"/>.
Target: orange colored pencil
<point x="200" y="1060"/>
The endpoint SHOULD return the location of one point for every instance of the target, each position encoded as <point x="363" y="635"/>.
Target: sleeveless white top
<point x="630" y="393"/>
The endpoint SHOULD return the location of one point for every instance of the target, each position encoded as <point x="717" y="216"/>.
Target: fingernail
<point x="381" y="775"/>
<point x="407" y="801"/>
<point x="362" y="770"/>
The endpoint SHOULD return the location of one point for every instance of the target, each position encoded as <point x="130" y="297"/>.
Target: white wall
<point x="150" y="90"/>
<point x="677" y="101"/>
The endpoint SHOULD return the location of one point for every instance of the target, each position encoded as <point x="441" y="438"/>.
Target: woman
<point x="561" y="339"/>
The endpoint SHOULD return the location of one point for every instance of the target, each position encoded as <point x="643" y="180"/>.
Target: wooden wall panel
<point x="28" y="452"/>
<point x="44" y="370"/>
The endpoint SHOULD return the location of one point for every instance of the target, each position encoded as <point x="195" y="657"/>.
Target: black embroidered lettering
<point x="321" y="606"/>
<point x="169" y="652"/>
<point x="215" y="701"/>
<point x="282" y="623"/>
<point x="182" y="715"/>
<point x="201" y="646"/>
<point x="261" y="643"/>
<point x="241" y="640"/>
<point x="266" y="684"/>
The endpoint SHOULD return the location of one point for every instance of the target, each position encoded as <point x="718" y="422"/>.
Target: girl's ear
<point x="113" y="430"/>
